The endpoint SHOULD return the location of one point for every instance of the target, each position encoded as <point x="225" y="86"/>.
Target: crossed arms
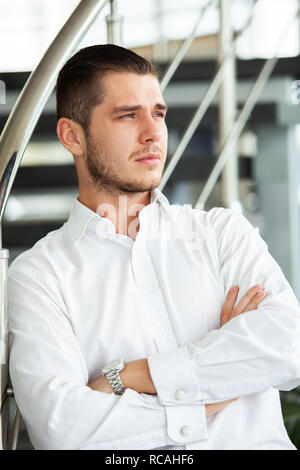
<point x="136" y="374"/>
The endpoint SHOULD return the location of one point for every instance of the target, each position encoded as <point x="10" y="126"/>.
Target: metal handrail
<point x="40" y="84"/>
<point x="203" y="106"/>
<point x="243" y="117"/>
<point x="114" y="22"/>
<point x="14" y="140"/>
<point x="13" y="438"/>
<point x="183" y="49"/>
<point x="237" y="128"/>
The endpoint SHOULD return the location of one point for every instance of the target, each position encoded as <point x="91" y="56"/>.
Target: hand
<point x="248" y="302"/>
<point x="213" y="408"/>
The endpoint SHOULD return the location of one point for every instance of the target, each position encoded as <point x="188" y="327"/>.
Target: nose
<point x="150" y="131"/>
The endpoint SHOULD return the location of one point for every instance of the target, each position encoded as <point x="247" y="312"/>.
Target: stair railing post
<point x="227" y="107"/>
<point x="114" y="25"/>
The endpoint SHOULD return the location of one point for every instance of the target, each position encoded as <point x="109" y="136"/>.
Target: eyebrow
<point x="122" y="109"/>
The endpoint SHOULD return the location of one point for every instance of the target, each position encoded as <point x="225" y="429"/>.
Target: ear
<point x="72" y="136"/>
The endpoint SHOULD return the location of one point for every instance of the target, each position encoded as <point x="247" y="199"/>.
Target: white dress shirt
<point x="84" y="295"/>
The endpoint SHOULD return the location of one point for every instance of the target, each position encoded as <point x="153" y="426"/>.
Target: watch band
<point x="112" y="372"/>
<point x="115" y="382"/>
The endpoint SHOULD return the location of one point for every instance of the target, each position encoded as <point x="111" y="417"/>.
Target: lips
<point x="149" y="157"/>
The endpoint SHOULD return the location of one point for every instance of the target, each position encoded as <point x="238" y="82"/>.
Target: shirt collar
<point x="81" y="216"/>
<point x="157" y="196"/>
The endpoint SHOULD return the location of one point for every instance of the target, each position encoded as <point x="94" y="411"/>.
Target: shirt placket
<point x="182" y="419"/>
<point x="149" y="290"/>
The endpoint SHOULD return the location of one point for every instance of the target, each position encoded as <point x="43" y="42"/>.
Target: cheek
<point x="116" y="141"/>
<point x="123" y="134"/>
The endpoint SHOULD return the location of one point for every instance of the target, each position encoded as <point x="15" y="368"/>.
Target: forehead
<point x="130" y="89"/>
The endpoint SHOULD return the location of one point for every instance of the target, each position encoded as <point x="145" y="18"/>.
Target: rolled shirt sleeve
<point x="254" y="351"/>
<point x="49" y="377"/>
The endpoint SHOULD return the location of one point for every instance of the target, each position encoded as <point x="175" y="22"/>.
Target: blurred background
<point x="257" y="135"/>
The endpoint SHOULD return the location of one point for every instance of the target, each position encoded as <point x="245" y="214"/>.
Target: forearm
<point x="135" y="375"/>
<point x="248" y="355"/>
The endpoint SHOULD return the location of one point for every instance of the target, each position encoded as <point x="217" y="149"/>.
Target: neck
<point x="122" y="209"/>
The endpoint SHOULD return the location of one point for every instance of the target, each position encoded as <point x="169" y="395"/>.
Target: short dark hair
<point x="77" y="87"/>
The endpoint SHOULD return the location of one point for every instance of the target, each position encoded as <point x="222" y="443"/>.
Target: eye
<point x="160" y="114"/>
<point x="127" y="116"/>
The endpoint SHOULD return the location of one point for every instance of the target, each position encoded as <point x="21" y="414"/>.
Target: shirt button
<point x="159" y="328"/>
<point x="180" y="395"/>
<point x="186" y="431"/>
<point x="147" y="286"/>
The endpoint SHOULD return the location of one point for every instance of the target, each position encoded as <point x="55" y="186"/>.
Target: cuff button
<point x="180" y="395"/>
<point x="186" y="431"/>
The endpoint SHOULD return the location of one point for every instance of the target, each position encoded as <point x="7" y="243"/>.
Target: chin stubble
<point x="105" y="178"/>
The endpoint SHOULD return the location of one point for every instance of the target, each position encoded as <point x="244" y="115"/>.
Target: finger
<point x="230" y="300"/>
<point x="221" y="404"/>
<point x="213" y="408"/>
<point x="255" y="301"/>
<point x="229" y="304"/>
<point x="246" y="299"/>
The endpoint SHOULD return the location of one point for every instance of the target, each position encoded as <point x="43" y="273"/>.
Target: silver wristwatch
<point x="112" y="373"/>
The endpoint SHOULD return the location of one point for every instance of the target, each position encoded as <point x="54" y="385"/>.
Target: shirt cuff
<point x="177" y="390"/>
<point x="173" y="377"/>
<point x="186" y="423"/>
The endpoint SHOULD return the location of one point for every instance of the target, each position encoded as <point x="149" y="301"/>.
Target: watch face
<point x="117" y="364"/>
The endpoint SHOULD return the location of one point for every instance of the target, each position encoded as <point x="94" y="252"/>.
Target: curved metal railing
<point x="40" y="84"/>
<point x="13" y="142"/>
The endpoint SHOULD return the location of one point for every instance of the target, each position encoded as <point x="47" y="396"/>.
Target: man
<point x="199" y="319"/>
